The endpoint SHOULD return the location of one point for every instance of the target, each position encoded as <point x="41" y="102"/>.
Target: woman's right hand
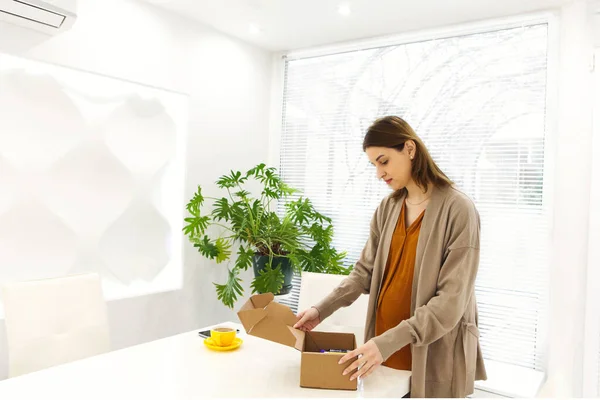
<point x="308" y="319"/>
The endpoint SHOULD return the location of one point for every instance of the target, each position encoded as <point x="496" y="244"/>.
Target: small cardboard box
<point x="264" y="318"/>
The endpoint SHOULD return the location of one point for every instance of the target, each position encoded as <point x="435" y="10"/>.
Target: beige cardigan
<point x="442" y="330"/>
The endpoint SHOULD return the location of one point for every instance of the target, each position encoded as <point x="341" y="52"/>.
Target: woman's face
<point x="393" y="166"/>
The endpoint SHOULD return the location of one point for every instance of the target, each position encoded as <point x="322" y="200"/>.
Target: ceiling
<point x="295" y="24"/>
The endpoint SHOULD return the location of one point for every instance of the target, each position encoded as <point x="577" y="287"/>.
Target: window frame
<point x="591" y="354"/>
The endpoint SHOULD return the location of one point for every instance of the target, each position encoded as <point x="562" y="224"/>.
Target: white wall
<point x="572" y="163"/>
<point x="229" y="87"/>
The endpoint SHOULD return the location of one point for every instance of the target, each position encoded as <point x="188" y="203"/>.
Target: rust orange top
<point x="393" y="305"/>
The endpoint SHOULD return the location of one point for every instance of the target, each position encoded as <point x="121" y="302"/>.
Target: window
<point x="478" y="101"/>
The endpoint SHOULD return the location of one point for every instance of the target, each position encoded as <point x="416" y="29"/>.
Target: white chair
<point x="54" y="321"/>
<point x="315" y="287"/>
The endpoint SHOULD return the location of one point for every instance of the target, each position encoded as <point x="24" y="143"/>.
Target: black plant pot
<point x="259" y="262"/>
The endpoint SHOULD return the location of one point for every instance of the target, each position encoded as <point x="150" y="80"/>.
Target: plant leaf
<point x="195" y="226"/>
<point x="230" y="291"/>
<point x="256" y="171"/>
<point x="221" y="209"/>
<point x="206" y="248"/>
<point x="195" y="203"/>
<point x="244" y="260"/>
<point x="242" y="194"/>
<point x="285" y="190"/>
<point x="270" y="193"/>
<point x="295" y="263"/>
<point x="232" y="180"/>
<point x="269" y="280"/>
<point x="273" y="179"/>
<point x="223" y="250"/>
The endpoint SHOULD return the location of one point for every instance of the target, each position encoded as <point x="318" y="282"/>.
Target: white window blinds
<point x="478" y="101"/>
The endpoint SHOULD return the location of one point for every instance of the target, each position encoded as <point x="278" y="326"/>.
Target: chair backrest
<point x="54" y="321"/>
<point x="315" y="287"/>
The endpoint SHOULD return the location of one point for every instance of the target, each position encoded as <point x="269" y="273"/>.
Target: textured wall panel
<point x="91" y="178"/>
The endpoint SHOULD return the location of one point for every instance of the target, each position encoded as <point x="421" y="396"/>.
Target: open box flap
<point x="264" y="318"/>
<point x="253" y="310"/>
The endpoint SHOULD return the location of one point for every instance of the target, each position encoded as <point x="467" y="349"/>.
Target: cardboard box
<point x="266" y="319"/>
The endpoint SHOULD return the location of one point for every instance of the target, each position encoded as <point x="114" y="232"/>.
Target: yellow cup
<point x="222" y="336"/>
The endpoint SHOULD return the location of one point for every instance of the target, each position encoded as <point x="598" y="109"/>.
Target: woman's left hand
<point x="370" y="360"/>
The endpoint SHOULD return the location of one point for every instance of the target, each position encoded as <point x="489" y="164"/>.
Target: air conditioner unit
<point x="38" y="15"/>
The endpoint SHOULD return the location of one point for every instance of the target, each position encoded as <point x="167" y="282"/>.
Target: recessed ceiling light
<point x="254" y="29"/>
<point x="344" y="9"/>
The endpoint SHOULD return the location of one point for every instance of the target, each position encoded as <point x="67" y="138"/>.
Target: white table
<point x="181" y="367"/>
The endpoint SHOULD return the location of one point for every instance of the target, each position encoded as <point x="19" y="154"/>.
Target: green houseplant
<point x="275" y="245"/>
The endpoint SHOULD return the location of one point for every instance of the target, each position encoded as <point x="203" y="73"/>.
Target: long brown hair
<point x="393" y="132"/>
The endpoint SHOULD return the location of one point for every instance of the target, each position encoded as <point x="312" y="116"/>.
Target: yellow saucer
<point x="237" y="342"/>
